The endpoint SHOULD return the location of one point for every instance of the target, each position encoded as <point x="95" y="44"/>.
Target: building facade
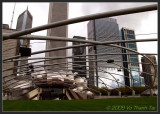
<point x="9" y="49"/>
<point x="57" y="12"/>
<point x="131" y="62"/>
<point x="148" y="68"/>
<point x="105" y="29"/>
<point x="79" y="63"/>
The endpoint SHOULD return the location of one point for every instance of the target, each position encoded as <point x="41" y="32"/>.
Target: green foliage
<point x="114" y="92"/>
<point x="102" y="90"/>
<point x="155" y="87"/>
<point x="128" y="91"/>
<point x="139" y="90"/>
<point x="125" y="91"/>
<point x="6" y="90"/>
<point x="95" y="90"/>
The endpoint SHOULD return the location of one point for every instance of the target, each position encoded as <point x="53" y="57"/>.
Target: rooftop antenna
<point x="12" y="15"/>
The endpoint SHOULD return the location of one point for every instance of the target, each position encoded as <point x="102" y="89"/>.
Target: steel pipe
<point x="55" y="38"/>
<point x="14" y="60"/>
<point x="86" y="18"/>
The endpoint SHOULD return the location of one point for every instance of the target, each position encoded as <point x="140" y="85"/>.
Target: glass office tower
<point x="103" y="30"/>
<point x="130" y="61"/>
<point x="79" y="63"/>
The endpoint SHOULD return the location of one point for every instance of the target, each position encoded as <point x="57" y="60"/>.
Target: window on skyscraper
<point x="130" y="36"/>
<point x="133" y="59"/>
<point x="133" y="68"/>
<point x="133" y="55"/>
<point x="132" y="45"/>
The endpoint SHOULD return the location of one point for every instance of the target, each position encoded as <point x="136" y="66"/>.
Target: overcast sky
<point x="142" y="23"/>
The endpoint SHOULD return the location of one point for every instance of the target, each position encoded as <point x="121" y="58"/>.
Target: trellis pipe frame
<point x="95" y="42"/>
<point x="88" y="70"/>
<point x="97" y="76"/>
<point x="67" y="47"/>
<point x="39" y="66"/>
<point x="77" y="56"/>
<point x="86" y="18"/>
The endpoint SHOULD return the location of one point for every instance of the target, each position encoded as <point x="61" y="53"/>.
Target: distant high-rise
<point x="79" y="63"/>
<point x="105" y="29"/>
<point x="24" y="22"/>
<point x="130" y="60"/>
<point x="57" y="11"/>
<point x="9" y="49"/>
<point x="149" y="69"/>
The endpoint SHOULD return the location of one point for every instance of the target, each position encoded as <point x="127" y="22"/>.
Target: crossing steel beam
<point x="85" y="18"/>
<point x="99" y="69"/>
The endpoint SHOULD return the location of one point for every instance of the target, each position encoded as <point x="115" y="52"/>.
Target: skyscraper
<point x="105" y="29"/>
<point x="9" y="49"/>
<point x="24" y="22"/>
<point x="148" y="68"/>
<point x="57" y="11"/>
<point x="130" y="60"/>
<point x="79" y="63"/>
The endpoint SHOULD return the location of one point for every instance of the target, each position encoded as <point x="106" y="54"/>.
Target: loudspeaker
<point x="25" y="51"/>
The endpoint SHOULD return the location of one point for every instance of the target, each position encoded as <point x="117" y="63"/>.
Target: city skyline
<point x="139" y="21"/>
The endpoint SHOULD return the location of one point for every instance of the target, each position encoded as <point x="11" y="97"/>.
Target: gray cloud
<point x="132" y="20"/>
